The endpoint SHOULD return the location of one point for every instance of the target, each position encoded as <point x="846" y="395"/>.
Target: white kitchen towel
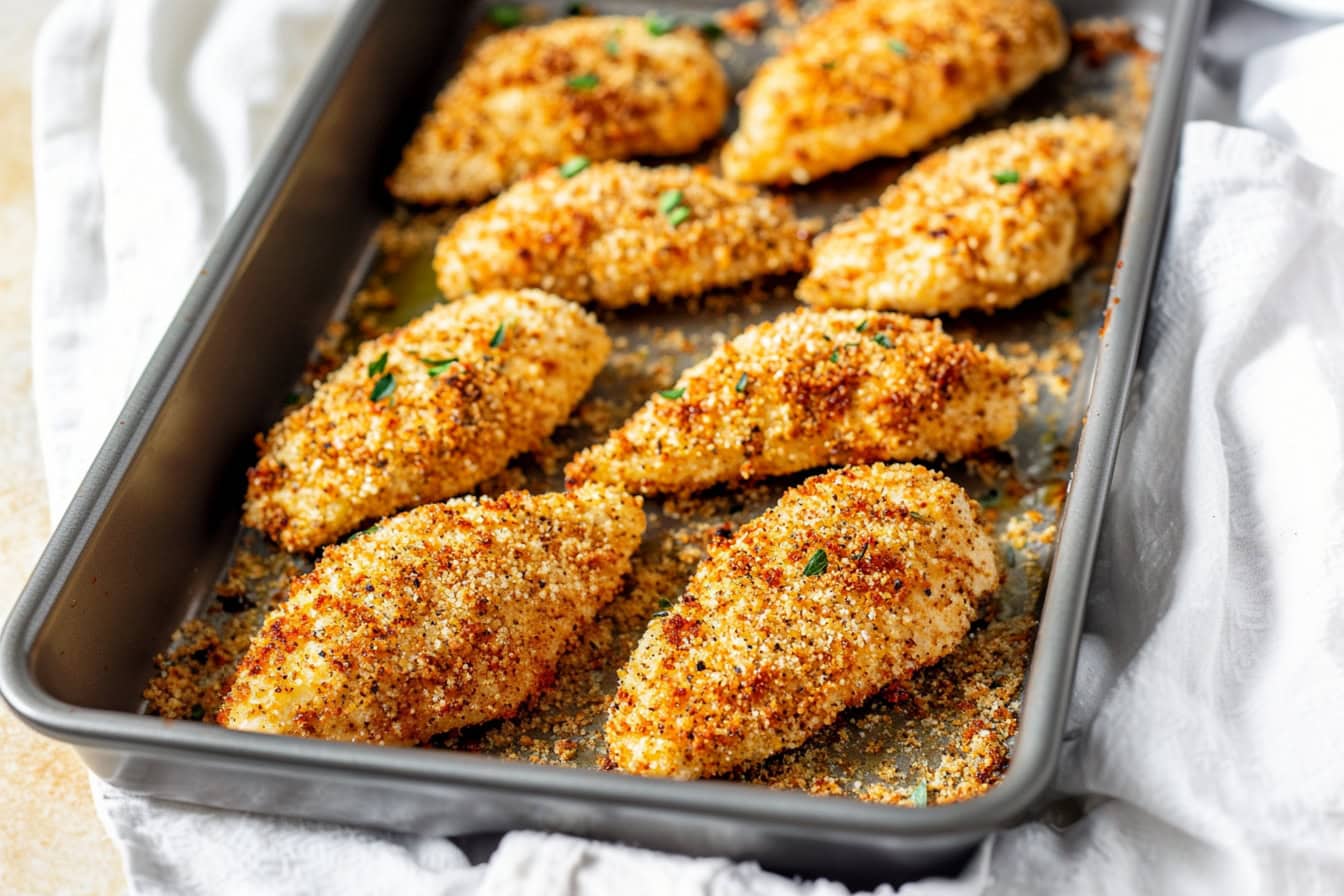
<point x="1203" y="733"/>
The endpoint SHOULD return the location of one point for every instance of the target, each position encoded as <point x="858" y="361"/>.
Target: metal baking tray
<point x="151" y="528"/>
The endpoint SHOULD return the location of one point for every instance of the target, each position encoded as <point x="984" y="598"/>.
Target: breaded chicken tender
<point x="602" y="87"/>
<point x="986" y="224"/>
<point x="811" y="388"/>
<point x="424" y="413"/>
<point x="618" y="234"/>
<point x="855" y="580"/>
<point x="873" y="78"/>
<point x="445" y="616"/>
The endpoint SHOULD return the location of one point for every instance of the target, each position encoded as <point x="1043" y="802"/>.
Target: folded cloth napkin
<point x="1204" y="726"/>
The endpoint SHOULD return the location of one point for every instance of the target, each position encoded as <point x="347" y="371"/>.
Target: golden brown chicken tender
<point x="445" y="616"/>
<point x="985" y="224"/>
<point x="875" y="78"/>
<point x="809" y="389"/>
<point x="424" y="413"/>
<point x="855" y="580"/>
<point x="603" y="87"/>
<point x="618" y="233"/>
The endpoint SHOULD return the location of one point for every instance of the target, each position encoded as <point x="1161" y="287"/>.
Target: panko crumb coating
<point x="985" y="224"/>
<point x="612" y="235"/>
<point x="856" y="579"/>
<point x="445" y="616"/>
<point x="810" y="389"/>
<point x="473" y="383"/>
<point x="874" y="78"/>
<point x="603" y="87"/>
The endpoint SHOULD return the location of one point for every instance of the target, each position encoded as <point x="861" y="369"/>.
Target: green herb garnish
<point x="898" y="47"/>
<point x="863" y="553"/>
<point x="835" y="356"/>
<point x="613" y="44"/>
<point x="197" y="712"/>
<point x="438" y="367"/>
<point x="383" y="388"/>
<point x="863" y="325"/>
<point x="882" y="340"/>
<point x="711" y="30"/>
<point x="379" y="365"/>
<point x="1006" y="176"/>
<point x="573" y="166"/>
<point x="660" y="25"/>
<point x="916" y="515"/>
<point x="498" y="339"/>
<point x="828" y="64"/>
<point x="920" y="795"/>
<point x="505" y="15"/>
<point x="742" y="383"/>
<point x="583" y="82"/>
<point x="816" y="564"/>
<point x="678" y="215"/>
<point x="669" y="200"/>
<point x="673" y="394"/>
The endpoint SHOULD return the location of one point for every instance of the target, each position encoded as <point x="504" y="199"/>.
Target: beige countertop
<point x="50" y="839"/>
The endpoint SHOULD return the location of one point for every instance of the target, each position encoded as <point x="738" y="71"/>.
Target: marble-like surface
<point x="50" y="839"/>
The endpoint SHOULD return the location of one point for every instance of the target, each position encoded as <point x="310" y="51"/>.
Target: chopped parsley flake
<point x="898" y="47"/>
<point x="583" y="82"/>
<point x="835" y="356"/>
<point x="828" y="65"/>
<point x="438" y="367"/>
<point x="673" y="394"/>
<point x="678" y="215"/>
<point x="573" y="166"/>
<point x="505" y="15"/>
<point x="383" y="388"/>
<point x="920" y="795"/>
<point x="1006" y="176"/>
<point x="742" y="383"/>
<point x="882" y="340"/>
<point x="863" y="325"/>
<point x="197" y="712"/>
<point x="816" y="564"/>
<point x="711" y="30"/>
<point x="379" y="365"/>
<point x="916" y="515"/>
<point x="613" y="44"/>
<point x="660" y="25"/>
<point x="498" y="339"/>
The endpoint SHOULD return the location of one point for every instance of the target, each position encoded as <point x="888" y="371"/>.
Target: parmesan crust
<point x="458" y="409"/>
<point x="809" y="389"/>
<point x="875" y="78"/>
<point x="985" y="224"/>
<point x="855" y="580"/>
<point x="603" y="87"/>
<point x="613" y="235"/>
<point x="445" y="616"/>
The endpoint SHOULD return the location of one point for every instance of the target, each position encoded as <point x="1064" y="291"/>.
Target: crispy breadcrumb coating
<point x="472" y="383"/>
<point x="603" y="87"/>
<point x="444" y="616"/>
<point x="809" y="389"/>
<point x="985" y="224"/>
<point x="855" y="580"/>
<point x="613" y="235"/>
<point x="880" y="78"/>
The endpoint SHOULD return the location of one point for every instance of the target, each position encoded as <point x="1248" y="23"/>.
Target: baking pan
<point x="144" y="541"/>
